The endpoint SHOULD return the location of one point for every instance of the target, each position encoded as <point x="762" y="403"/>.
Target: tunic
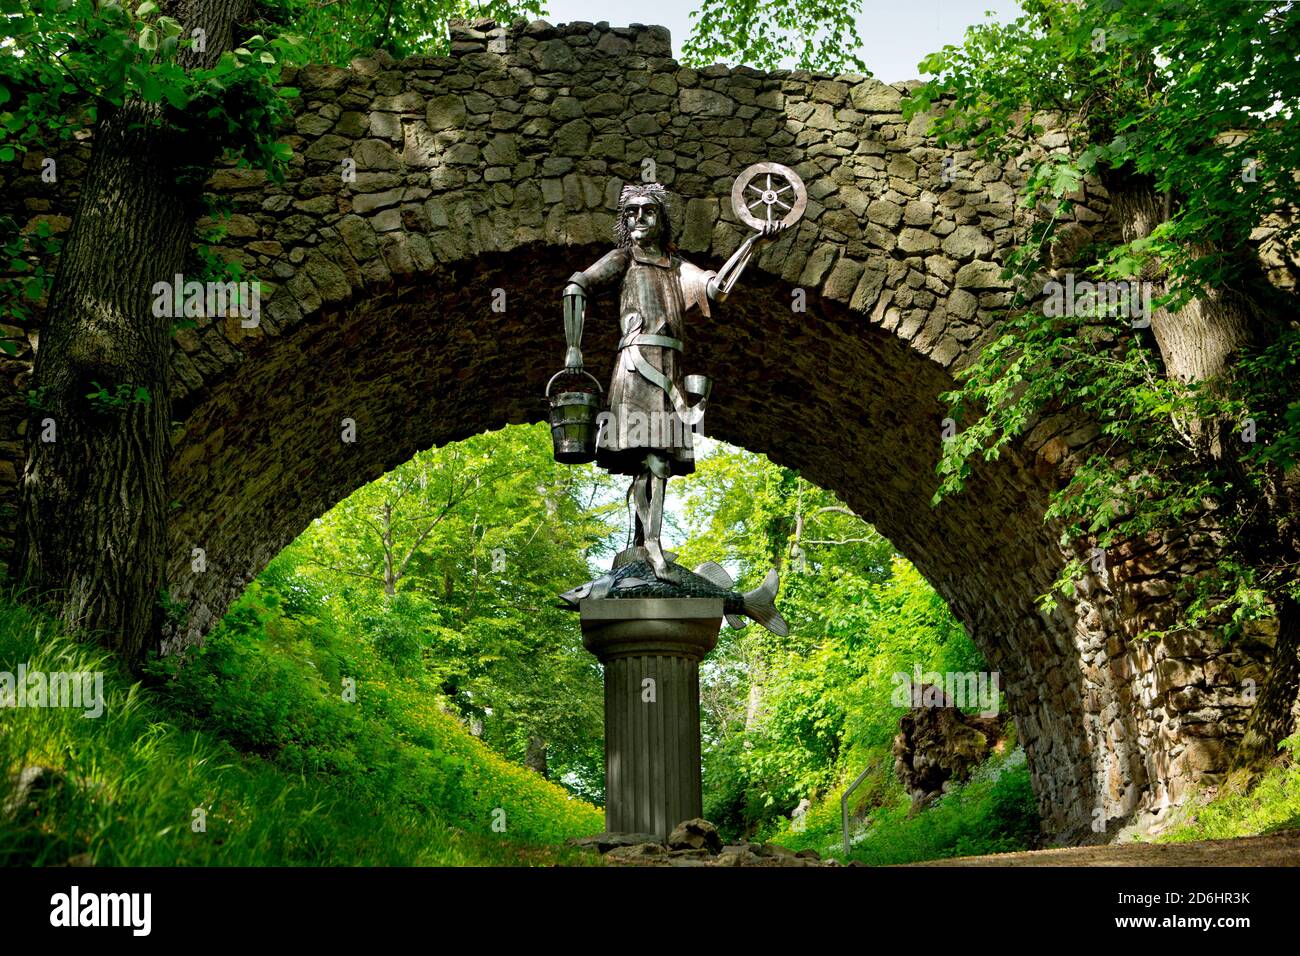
<point x="643" y="416"/>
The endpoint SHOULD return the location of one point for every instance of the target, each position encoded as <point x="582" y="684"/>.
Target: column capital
<point x="669" y="627"/>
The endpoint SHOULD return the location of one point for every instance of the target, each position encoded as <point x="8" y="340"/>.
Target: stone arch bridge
<point x="498" y="167"/>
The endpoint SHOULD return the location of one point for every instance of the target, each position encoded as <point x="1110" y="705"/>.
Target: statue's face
<point x="641" y="217"/>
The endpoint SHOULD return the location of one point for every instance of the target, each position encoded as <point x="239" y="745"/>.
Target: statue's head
<point x="643" y="217"/>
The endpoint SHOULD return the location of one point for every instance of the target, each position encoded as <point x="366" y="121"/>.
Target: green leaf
<point x="1065" y="179"/>
<point x="169" y="26"/>
<point x="176" y="96"/>
<point x="150" y="88"/>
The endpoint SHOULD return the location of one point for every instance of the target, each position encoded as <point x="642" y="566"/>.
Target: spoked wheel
<point x="768" y="192"/>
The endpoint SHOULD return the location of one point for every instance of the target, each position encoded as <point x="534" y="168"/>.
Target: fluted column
<point x="651" y="650"/>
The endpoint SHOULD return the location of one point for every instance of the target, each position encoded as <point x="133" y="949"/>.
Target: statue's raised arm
<point x="768" y="197"/>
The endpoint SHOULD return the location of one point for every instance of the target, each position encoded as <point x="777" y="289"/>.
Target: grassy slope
<point x="288" y="773"/>
<point x="995" y="813"/>
<point x="285" y="771"/>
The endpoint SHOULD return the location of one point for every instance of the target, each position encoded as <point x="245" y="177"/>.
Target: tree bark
<point x="92" y="527"/>
<point x="1199" y="341"/>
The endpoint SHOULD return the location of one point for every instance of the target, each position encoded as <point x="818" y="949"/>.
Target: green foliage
<point x="994" y="812"/>
<point x="65" y="62"/>
<point x="1196" y="102"/>
<point x="27" y="273"/>
<point x="118" y="398"/>
<point x="450" y="565"/>
<point x="791" y="718"/>
<point x="339" y="31"/>
<point x="128" y="783"/>
<point x="38" y="397"/>
<point x="282" y="687"/>
<point x="1189" y="92"/>
<point x="765" y="34"/>
<point x="174" y="612"/>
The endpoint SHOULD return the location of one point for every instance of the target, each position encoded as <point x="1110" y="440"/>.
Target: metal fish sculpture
<point x="636" y="579"/>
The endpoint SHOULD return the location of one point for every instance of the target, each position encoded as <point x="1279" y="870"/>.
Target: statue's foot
<point x="658" y="564"/>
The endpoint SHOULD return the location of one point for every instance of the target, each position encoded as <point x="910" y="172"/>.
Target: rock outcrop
<point x="937" y="746"/>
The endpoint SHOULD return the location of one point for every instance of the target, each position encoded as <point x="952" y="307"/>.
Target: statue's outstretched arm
<point x="721" y="284"/>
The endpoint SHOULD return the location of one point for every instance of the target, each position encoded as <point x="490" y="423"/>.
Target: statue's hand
<point x="573" y="360"/>
<point x="770" y="229"/>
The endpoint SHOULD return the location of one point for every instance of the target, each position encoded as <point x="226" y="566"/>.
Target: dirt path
<point x="1275" y="849"/>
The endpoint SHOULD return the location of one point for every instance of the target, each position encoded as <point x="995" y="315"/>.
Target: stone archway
<point x="497" y="168"/>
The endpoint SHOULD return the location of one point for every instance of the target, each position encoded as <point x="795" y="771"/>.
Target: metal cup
<point x="698" y="386"/>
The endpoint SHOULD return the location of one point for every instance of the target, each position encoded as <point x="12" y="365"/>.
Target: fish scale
<point x="688" y="584"/>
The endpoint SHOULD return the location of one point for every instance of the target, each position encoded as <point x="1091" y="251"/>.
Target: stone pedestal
<point x="651" y="649"/>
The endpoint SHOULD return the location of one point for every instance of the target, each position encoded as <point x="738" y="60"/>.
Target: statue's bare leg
<point x="636" y="537"/>
<point x="648" y="495"/>
<point x="653" y="548"/>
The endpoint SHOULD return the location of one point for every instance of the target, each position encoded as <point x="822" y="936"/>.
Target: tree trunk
<point x="535" y="756"/>
<point x="92" y="528"/>
<point x="390" y="578"/>
<point x="1199" y="343"/>
<point x="1273" y="718"/>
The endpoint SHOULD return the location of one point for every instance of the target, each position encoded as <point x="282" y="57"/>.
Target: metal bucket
<point x="574" y="420"/>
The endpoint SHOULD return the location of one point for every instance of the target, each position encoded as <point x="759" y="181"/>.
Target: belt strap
<point x="633" y="339"/>
<point x="643" y="338"/>
<point x="689" y="414"/>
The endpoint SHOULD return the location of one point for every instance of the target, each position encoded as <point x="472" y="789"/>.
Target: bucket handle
<point x="570" y="371"/>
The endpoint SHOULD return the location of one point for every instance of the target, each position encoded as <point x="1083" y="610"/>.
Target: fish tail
<point x="760" y="604"/>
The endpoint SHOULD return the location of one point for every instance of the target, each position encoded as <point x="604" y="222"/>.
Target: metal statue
<point x="654" y="408"/>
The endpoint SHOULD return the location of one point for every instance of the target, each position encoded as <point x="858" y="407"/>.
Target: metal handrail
<point x="844" y="807"/>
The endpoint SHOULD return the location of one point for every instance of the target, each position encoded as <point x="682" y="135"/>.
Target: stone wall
<point x="498" y="168"/>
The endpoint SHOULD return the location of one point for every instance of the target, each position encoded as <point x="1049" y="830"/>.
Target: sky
<point x="896" y="34"/>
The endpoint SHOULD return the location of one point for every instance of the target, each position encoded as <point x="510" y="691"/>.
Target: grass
<point x="1272" y="804"/>
<point x="151" y="783"/>
<point x="994" y="812"/>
